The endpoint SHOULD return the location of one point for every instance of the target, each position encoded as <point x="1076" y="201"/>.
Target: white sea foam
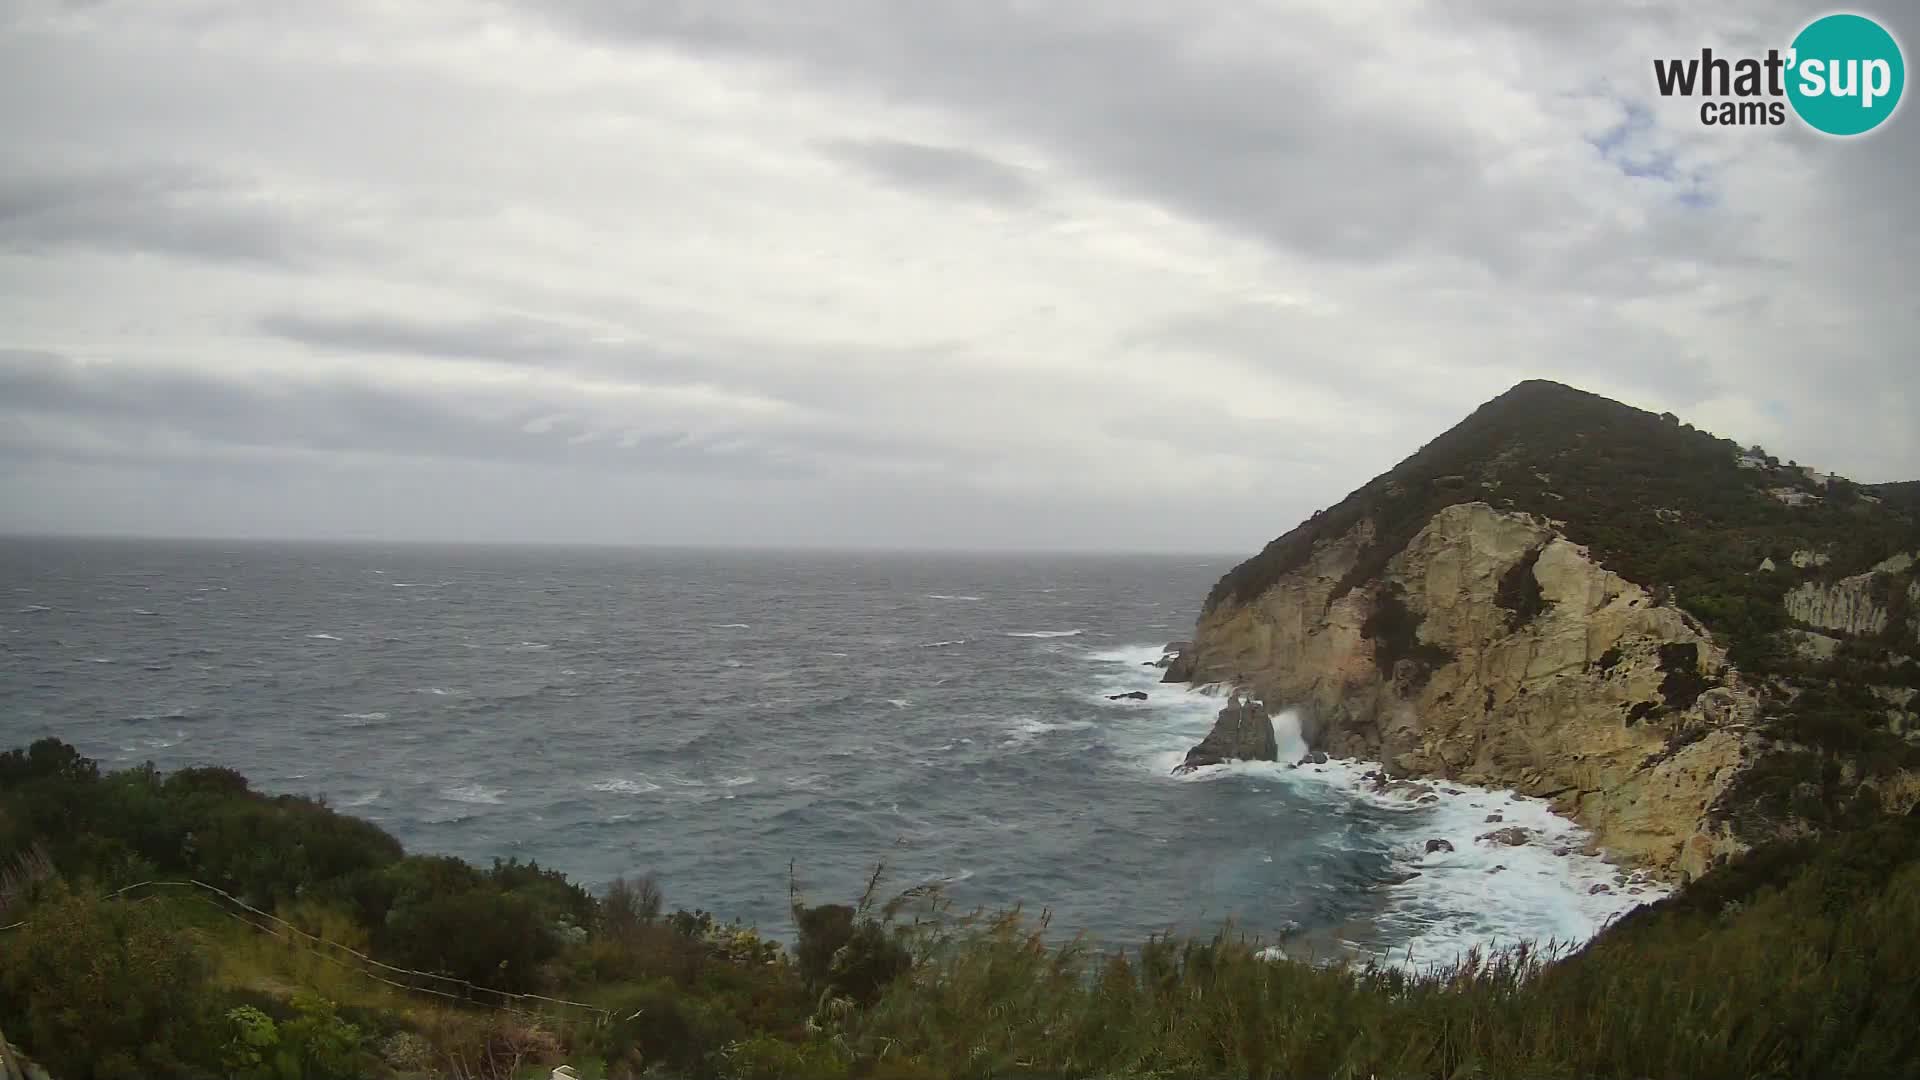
<point x="1045" y="633"/>
<point x="621" y="785"/>
<point x="943" y="644"/>
<point x="473" y="793"/>
<point x="363" y="716"/>
<point x="434" y="690"/>
<point x="144" y="611"/>
<point x="731" y="626"/>
<point x="31" y="609"/>
<point x="898" y="703"/>
<point x="368" y="799"/>
<point x="737" y="781"/>
<point x="323" y="637"/>
<point x="1027" y="730"/>
<point x="1458" y="900"/>
<point x="945" y="596"/>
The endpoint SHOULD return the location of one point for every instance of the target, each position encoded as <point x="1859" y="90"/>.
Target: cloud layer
<point x="956" y="273"/>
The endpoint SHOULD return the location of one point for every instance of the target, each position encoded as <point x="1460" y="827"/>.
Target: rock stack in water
<point x="1243" y="732"/>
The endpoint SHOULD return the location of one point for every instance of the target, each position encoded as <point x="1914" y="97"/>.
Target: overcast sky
<point x="944" y="273"/>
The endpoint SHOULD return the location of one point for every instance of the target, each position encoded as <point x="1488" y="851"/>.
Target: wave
<point x="323" y="637"/>
<point x="899" y="703"/>
<point x="434" y="690"/>
<point x="946" y="596"/>
<point x="1045" y="633"/>
<point x="368" y="799"/>
<point x="363" y="716"/>
<point x="474" y="793"/>
<point x="621" y="785"/>
<point x="1026" y="731"/>
<point x="144" y="611"/>
<point x="31" y="609"/>
<point x="942" y="644"/>
<point x="1476" y="891"/>
<point x="419" y="584"/>
<point x="730" y="626"/>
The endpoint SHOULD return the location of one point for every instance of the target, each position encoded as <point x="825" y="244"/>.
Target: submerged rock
<point x="1603" y="887"/>
<point x="1316" y="757"/>
<point x="1243" y="732"/>
<point x="1438" y="845"/>
<point x="1131" y="695"/>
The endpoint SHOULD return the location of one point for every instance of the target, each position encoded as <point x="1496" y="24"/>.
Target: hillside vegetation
<point x="1796" y="961"/>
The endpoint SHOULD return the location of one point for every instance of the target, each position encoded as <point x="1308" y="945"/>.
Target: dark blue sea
<point x="711" y="717"/>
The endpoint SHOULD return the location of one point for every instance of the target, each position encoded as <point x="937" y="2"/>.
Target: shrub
<point x="106" y="989"/>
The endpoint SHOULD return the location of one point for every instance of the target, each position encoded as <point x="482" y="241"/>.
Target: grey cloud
<point x="937" y="170"/>
<point x="1243" y="142"/>
<point x="129" y="414"/>
<point x="158" y="209"/>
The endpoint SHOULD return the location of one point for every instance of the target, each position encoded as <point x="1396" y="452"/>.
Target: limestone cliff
<point x="1454" y="618"/>
<point x="1621" y="711"/>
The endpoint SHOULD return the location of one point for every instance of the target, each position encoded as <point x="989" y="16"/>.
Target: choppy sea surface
<point x="711" y="717"/>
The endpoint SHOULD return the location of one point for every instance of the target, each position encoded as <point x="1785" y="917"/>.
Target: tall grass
<point x="1794" y="981"/>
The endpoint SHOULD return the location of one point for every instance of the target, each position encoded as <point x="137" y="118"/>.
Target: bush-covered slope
<point x="1796" y="961"/>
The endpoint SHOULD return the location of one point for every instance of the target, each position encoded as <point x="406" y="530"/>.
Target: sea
<point x="737" y="722"/>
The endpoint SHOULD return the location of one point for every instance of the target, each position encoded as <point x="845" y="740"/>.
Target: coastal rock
<point x="1484" y="696"/>
<point x="1438" y="845"/>
<point x="1603" y="887"/>
<point x="1132" y="695"/>
<point x="1181" y="665"/>
<point x="1512" y="836"/>
<point x="1496" y="817"/>
<point x="1242" y="732"/>
<point x="1317" y="757"/>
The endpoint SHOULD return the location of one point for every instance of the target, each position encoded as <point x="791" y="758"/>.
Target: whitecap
<point x="942" y="644"/>
<point x="681" y="781"/>
<point x="737" y="781"/>
<point x="368" y="799"/>
<point x="100" y="660"/>
<point x="1026" y="731"/>
<point x="530" y="646"/>
<point x="1045" y="633"/>
<point x="323" y="637"/>
<point x="363" y="716"/>
<point x="31" y="609"/>
<point x="898" y="703"/>
<point x="1483" y="893"/>
<point x="434" y="690"/>
<point x="731" y="626"/>
<point x="144" y="611"/>
<point x="946" y="596"/>
<point x="621" y="785"/>
<point x="473" y="793"/>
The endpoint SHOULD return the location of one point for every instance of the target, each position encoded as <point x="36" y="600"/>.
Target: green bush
<point x="107" y="989"/>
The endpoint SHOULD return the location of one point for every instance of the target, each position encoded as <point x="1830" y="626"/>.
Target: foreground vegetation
<point x="1798" y="961"/>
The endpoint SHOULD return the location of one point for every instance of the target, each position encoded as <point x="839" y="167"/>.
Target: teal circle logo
<point x="1846" y="74"/>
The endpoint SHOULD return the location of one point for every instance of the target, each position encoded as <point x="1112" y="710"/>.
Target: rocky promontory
<point x="1559" y="596"/>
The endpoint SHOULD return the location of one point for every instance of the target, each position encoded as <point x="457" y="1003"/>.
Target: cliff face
<point x="1862" y="604"/>
<point x="1624" y="713"/>
<point x="1550" y="596"/>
